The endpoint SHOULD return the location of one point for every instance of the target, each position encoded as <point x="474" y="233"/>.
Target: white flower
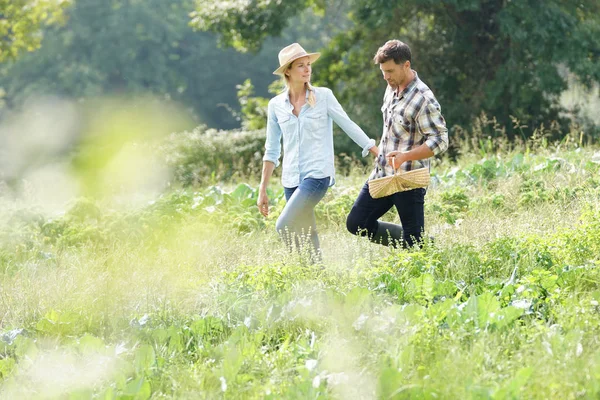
<point x="523" y="304"/>
<point x="144" y="320"/>
<point x="360" y="322"/>
<point x="310" y="364"/>
<point x="120" y="349"/>
<point x="316" y="381"/>
<point x="223" y="384"/>
<point x="336" y="379"/>
<point x="548" y="347"/>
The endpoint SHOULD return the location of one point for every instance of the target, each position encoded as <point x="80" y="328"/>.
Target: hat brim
<point x="312" y="56"/>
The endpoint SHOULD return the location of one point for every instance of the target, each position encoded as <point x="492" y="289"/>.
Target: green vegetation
<point x="193" y="296"/>
<point x="118" y="47"/>
<point x="21" y="23"/>
<point x="160" y="279"/>
<point x="505" y="58"/>
<point x="508" y="59"/>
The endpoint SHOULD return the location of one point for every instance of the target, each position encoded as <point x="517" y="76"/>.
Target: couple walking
<point x="414" y="130"/>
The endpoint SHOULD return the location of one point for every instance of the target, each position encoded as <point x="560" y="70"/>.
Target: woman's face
<point x="299" y="71"/>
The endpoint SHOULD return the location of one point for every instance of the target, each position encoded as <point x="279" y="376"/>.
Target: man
<point x="414" y="130"/>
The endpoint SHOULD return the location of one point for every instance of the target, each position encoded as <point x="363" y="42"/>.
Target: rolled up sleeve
<point x="337" y="113"/>
<point x="273" y="141"/>
<point x="432" y="125"/>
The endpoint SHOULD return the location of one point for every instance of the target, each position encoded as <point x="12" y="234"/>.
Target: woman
<point x="303" y="115"/>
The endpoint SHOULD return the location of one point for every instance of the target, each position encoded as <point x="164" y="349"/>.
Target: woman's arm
<point x="337" y="113"/>
<point x="270" y="159"/>
<point x="263" y="199"/>
<point x="273" y="141"/>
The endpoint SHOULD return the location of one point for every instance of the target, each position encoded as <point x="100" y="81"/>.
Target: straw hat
<point x="288" y="54"/>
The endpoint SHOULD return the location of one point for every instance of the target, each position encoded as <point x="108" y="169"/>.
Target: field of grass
<point x="193" y="295"/>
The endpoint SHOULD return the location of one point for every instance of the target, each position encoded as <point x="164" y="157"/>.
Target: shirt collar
<point x="287" y="95"/>
<point x="412" y="84"/>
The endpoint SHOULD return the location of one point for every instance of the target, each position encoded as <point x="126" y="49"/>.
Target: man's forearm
<point x="420" y="153"/>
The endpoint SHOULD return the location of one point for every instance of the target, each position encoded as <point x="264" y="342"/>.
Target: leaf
<point x="243" y="191"/>
<point x="140" y="388"/>
<point x="440" y="310"/>
<point x="25" y="348"/>
<point x="145" y="358"/>
<point x="91" y="344"/>
<point x="390" y="379"/>
<point x="175" y="340"/>
<point x="357" y="297"/>
<point x="232" y="363"/>
<point x="513" y="387"/>
<point x="480" y="309"/>
<point x="421" y="287"/>
<point x="505" y="317"/>
<point x="7" y="365"/>
<point x="487" y="306"/>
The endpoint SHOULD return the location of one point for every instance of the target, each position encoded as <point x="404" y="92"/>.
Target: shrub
<point x="205" y="156"/>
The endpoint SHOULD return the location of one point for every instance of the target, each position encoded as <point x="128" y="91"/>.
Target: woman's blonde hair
<point x="312" y="99"/>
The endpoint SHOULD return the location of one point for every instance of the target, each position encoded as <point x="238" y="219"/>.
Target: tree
<point x="244" y="25"/>
<point x="136" y="47"/>
<point x="21" y="23"/>
<point x="500" y="57"/>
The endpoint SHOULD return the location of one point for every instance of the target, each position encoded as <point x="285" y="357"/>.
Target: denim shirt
<point x="308" y="138"/>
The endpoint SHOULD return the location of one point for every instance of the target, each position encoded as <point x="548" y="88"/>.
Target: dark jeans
<point x="363" y="218"/>
<point x="298" y="217"/>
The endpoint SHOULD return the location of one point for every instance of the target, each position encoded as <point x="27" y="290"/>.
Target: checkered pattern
<point x="410" y="118"/>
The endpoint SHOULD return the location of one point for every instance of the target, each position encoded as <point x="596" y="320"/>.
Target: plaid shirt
<point x="410" y="119"/>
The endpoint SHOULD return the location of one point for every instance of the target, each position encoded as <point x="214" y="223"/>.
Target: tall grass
<point x="194" y="296"/>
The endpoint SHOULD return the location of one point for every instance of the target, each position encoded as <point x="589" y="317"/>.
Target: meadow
<point x="193" y="296"/>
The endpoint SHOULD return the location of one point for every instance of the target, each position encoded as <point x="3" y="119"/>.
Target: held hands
<point x="263" y="203"/>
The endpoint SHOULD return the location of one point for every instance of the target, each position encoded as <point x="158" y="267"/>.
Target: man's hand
<point x="263" y="203"/>
<point x="396" y="158"/>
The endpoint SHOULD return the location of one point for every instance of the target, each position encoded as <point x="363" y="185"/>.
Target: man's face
<point x="395" y="74"/>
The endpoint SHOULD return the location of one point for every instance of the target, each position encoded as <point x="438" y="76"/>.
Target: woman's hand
<point x="375" y="151"/>
<point x="263" y="202"/>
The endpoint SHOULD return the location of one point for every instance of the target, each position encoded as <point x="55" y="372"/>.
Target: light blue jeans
<point x="297" y="219"/>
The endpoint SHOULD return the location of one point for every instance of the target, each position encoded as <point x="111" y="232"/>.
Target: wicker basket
<point x="401" y="182"/>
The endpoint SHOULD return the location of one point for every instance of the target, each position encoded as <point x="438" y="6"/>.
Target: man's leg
<point x="411" y="211"/>
<point x="363" y="219"/>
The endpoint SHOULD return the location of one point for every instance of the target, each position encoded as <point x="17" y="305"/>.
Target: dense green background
<point x="134" y="263"/>
<point x="134" y="47"/>
<point x="506" y="59"/>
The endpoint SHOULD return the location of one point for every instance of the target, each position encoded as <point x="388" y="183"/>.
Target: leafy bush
<point x="206" y="156"/>
<point x="453" y="204"/>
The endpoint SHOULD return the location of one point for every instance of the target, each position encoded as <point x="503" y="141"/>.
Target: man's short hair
<point x="393" y="50"/>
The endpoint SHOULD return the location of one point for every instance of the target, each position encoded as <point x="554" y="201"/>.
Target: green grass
<point x="194" y="296"/>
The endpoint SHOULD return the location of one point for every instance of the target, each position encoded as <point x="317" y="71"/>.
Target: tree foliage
<point x="245" y="24"/>
<point x="505" y="58"/>
<point x="21" y="23"/>
<point x="134" y="47"/>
